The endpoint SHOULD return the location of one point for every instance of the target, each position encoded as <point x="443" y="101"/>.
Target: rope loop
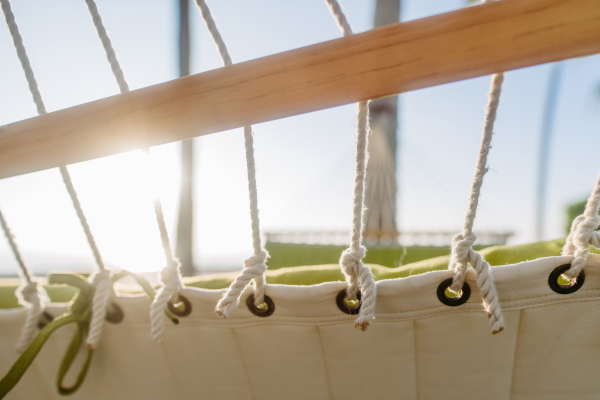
<point x="254" y="269"/>
<point x="583" y="233"/>
<point x="170" y="276"/>
<point x="33" y="296"/>
<point x="462" y="244"/>
<point x="461" y="248"/>
<point x="352" y="266"/>
<point x="360" y="277"/>
<point x="102" y="283"/>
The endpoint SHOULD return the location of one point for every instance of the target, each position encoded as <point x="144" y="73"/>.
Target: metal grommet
<point x="187" y="306"/>
<point x="44" y="320"/>
<point x="453" y="301"/>
<point x="342" y="305"/>
<point x="570" y="287"/>
<point x="260" y="312"/>
<point x="114" y="313"/>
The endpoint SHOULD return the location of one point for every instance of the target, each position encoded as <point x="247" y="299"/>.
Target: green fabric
<point x="80" y="312"/>
<point x="284" y="255"/>
<point x="311" y="275"/>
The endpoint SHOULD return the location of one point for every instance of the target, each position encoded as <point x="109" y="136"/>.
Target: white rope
<point x="170" y="275"/>
<point x="583" y="233"/>
<point x="358" y="275"/>
<point x="255" y="266"/>
<point x="102" y="284"/>
<point x="462" y="244"/>
<point x="30" y="294"/>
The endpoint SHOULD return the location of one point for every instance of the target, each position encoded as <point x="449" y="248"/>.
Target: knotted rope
<point x="357" y="274"/>
<point x="102" y="291"/>
<point x="170" y="275"/>
<point x="462" y="244"/>
<point x="102" y="284"/>
<point x="583" y="233"/>
<point x="255" y="266"/>
<point x="31" y="294"/>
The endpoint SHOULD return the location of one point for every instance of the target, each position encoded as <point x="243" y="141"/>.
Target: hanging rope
<point x="102" y="288"/>
<point x="254" y="266"/>
<point x="462" y="244"/>
<point x="170" y="275"/>
<point x="358" y="275"/>
<point x="31" y="294"/>
<point x="583" y="233"/>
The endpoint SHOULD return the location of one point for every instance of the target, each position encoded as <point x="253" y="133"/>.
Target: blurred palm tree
<point x="185" y="226"/>
<point x="548" y="120"/>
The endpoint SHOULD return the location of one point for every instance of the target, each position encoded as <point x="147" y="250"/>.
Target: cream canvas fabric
<point x="417" y="348"/>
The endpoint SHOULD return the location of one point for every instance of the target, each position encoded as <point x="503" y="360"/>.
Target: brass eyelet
<point x="187" y="306"/>
<point x="453" y="301"/>
<point x="261" y="311"/>
<point x="340" y="300"/>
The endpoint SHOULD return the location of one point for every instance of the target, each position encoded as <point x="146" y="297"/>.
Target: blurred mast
<point x="185" y="226"/>
<point x="382" y="187"/>
<point x="548" y="120"/>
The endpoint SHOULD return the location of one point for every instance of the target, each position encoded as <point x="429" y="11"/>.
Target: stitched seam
<point x="512" y="379"/>
<point x="416" y="359"/>
<point x="237" y="342"/>
<point x="173" y="374"/>
<point x="325" y="363"/>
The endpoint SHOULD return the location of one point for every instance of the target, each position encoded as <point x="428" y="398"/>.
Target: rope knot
<point x="30" y="293"/>
<point x="171" y="272"/>
<point x="351" y="261"/>
<point x="257" y="261"/>
<point x="461" y="247"/>
<point x="254" y="269"/>
<point x="360" y="276"/>
<point x="583" y="229"/>
<point x="102" y="283"/>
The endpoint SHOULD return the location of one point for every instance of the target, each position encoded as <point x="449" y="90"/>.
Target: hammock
<point x="423" y="336"/>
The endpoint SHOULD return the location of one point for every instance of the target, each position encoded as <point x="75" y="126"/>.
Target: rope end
<point x="362" y="326"/>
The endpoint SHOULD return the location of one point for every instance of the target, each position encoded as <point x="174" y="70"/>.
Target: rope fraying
<point x="33" y="296"/>
<point x="462" y="255"/>
<point x="254" y="269"/>
<point x="102" y="284"/>
<point x="172" y="281"/>
<point x="583" y="233"/>
<point x="462" y="244"/>
<point x="255" y="266"/>
<point x="359" y="276"/>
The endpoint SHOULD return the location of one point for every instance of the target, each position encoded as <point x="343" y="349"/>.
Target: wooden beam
<point x="467" y="43"/>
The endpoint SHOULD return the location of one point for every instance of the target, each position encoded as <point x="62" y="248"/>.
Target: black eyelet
<point x="114" y="313"/>
<point x="339" y="300"/>
<point x="187" y="306"/>
<point x="571" y="287"/>
<point x="453" y="301"/>
<point x="44" y="320"/>
<point x="259" y="312"/>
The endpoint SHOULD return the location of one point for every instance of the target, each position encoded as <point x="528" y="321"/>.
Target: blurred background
<point x="424" y="146"/>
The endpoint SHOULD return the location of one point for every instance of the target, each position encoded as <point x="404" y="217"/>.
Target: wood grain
<point x="467" y="43"/>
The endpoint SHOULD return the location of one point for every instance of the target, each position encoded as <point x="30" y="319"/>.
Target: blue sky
<point x="305" y="163"/>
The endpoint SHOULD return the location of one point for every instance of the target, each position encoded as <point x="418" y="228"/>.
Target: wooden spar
<point x="463" y="44"/>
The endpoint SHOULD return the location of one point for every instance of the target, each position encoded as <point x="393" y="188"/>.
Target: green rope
<point x="80" y="312"/>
